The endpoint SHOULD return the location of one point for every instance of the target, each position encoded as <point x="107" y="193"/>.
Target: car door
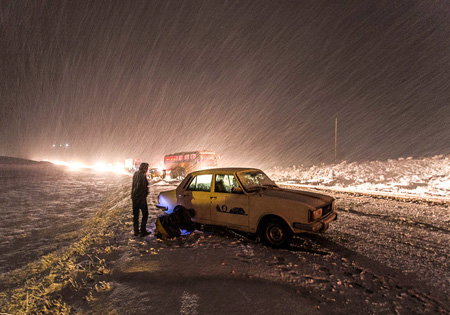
<point x="197" y="196"/>
<point x="227" y="207"/>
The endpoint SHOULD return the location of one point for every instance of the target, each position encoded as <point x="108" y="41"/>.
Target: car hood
<point x="314" y="200"/>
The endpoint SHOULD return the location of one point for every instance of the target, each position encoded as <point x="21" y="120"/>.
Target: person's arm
<point x="146" y="185"/>
<point x="133" y="186"/>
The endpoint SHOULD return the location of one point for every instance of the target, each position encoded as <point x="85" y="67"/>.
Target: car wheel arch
<point x="177" y="207"/>
<point x="275" y="232"/>
<point x="190" y="210"/>
<point x="268" y="217"/>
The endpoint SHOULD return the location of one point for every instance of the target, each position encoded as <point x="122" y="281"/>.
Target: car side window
<point x="201" y="183"/>
<point x="225" y="183"/>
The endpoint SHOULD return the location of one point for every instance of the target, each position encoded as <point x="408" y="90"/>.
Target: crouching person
<point x="168" y="225"/>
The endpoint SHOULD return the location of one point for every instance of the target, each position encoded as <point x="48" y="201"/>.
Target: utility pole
<point x="335" y="140"/>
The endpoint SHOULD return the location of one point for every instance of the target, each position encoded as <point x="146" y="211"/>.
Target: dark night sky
<point x="259" y="82"/>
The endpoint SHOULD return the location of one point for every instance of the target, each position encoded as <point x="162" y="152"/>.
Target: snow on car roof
<point x="227" y="169"/>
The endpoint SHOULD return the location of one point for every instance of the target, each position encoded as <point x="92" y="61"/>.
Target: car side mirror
<point x="236" y="190"/>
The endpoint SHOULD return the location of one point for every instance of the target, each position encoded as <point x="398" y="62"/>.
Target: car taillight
<point x="315" y="214"/>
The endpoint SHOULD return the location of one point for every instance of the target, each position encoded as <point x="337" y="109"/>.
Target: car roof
<point x="225" y="170"/>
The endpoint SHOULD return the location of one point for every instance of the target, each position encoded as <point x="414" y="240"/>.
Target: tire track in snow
<point x="189" y="304"/>
<point x="400" y="220"/>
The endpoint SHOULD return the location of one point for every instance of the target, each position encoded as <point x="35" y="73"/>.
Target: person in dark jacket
<point x="139" y="193"/>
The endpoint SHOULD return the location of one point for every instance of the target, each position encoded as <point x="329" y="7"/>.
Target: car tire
<point x="276" y="233"/>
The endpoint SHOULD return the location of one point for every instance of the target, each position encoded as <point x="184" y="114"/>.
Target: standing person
<point x="139" y="193"/>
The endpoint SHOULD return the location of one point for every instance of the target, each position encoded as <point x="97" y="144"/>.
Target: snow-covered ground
<point x="39" y="201"/>
<point x="380" y="256"/>
<point x="426" y="177"/>
<point x="42" y="204"/>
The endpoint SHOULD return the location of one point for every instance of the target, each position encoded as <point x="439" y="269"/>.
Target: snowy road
<point x="408" y="236"/>
<point x="381" y="256"/>
<point x="404" y="239"/>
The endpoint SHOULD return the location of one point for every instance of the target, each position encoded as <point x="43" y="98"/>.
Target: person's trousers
<point x="144" y="208"/>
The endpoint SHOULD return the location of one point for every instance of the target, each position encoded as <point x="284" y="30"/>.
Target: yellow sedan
<point x="247" y="200"/>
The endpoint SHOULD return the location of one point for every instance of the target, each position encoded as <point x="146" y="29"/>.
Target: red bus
<point x="182" y="163"/>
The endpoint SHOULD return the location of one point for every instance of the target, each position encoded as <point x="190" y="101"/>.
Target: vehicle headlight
<point x="315" y="214"/>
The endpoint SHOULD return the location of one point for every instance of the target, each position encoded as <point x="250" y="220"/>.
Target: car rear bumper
<point x="318" y="226"/>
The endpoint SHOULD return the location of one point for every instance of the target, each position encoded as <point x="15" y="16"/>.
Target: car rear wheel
<point x="276" y="233"/>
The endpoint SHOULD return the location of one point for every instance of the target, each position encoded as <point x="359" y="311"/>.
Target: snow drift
<point x="426" y="177"/>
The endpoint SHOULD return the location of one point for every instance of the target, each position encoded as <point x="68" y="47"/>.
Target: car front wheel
<point x="276" y="233"/>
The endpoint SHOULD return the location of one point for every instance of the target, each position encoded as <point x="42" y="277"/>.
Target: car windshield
<point x="255" y="180"/>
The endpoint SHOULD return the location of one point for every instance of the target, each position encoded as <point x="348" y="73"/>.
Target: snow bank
<point x="426" y="177"/>
<point x="18" y="161"/>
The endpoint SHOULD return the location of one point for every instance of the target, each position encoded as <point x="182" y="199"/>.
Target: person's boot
<point x="145" y="233"/>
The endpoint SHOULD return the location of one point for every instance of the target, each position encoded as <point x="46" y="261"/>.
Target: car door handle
<point x="212" y="197"/>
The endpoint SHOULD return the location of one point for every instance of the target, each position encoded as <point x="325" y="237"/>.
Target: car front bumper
<point x="318" y="226"/>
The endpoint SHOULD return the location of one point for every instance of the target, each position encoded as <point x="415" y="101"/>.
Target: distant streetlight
<point x="335" y="139"/>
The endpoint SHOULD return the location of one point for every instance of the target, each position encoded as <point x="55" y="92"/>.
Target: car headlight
<point x="315" y="214"/>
